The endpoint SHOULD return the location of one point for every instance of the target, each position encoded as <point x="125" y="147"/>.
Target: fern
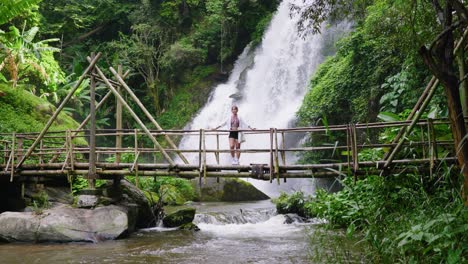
<point x="10" y="9"/>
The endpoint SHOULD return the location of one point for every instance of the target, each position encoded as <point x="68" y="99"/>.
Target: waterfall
<point x="267" y="84"/>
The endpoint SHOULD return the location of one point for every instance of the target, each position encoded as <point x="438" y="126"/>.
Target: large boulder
<point x="236" y="190"/>
<point x="64" y="224"/>
<point x="137" y="203"/>
<point x="179" y="218"/>
<point x="228" y="190"/>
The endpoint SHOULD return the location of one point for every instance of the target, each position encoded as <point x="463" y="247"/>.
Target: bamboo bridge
<point x="351" y="149"/>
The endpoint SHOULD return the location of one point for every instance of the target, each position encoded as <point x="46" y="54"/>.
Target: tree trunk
<point x="440" y="61"/>
<point x="464" y="82"/>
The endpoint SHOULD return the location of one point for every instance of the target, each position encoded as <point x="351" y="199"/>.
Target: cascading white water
<point x="268" y="86"/>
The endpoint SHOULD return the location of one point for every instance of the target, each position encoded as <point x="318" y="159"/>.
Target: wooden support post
<point x="19" y="146"/>
<point x="200" y="158"/>
<point x="433" y="140"/>
<point x="277" y="171"/>
<point x="423" y="141"/>
<point x="355" y="151"/>
<point x="67" y="151"/>
<point x="5" y="152"/>
<point x="137" y="119"/>
<point x="217" y="153"/>
<point x="283" y="152"/>
<point x="217" y="149"/>
<point x="12" y="173"/>
<point x="59" y="109"/>
<point x="92" y="132"/>
<point x="348" y="148"/>
<point x="204" y="156"/>
<point x="41" y="149"/>
<point x="118" y="121"/>
<point x="431" y="147"/>
<point x="272" y="169"/>
<point x="148" y="114"/>
<point x="71" y="148"/>
<point x="135" y="161"/>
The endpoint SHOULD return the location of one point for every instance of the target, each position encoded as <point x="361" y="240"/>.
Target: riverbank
<point x="402" y="218"/>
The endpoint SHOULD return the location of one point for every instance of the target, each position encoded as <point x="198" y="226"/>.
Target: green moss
<point x="189" y="97"/>
<point x="181" y="217"/>
<point x="239" y="190"/>
<point x="22" y="111"/>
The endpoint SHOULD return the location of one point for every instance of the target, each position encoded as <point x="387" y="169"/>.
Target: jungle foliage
<point x="406" y="218"/>
<point x="376" y="68"/>
<point x="175" y="50"/>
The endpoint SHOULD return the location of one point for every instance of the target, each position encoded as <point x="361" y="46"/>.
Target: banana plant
<point x="21" y="56"/>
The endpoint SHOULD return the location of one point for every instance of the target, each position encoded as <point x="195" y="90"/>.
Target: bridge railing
<point x="319" y="151"/>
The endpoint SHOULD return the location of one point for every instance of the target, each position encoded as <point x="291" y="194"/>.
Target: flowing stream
<point x="268" y="84"/>
<point x="230" y="233"/>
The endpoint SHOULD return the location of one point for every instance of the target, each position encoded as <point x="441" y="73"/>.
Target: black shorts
<point x="234" y="134"/>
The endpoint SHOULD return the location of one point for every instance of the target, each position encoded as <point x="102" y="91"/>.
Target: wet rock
<point x="238" y="190"/>
<point x="87" y="201"/>
<point x="228" y="190"/>
<point x="190" y="226"/>
<point x="179" y="218"/>
<point x="64" y="224"/>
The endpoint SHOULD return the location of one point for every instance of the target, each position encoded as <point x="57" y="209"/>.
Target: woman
<point x="234" y="123"/>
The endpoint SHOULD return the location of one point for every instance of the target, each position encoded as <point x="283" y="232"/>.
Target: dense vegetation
<point x="175" y="50"/>
<point x="378" y="72"/>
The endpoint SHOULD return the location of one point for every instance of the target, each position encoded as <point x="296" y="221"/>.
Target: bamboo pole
<point x="12" y="173"/>
<point x="204" y="156"/>
<point x="118" y="121"/>
<point x="277" y="171"/>
<point x="200" y="158"/>
<point x="41" y="146"/>
<point x="391" y="156"/>
<point x="67" y="151"/>
<point x="137" y="119"/>
<point x="423" y="105"/>
<point x="217" y="153"/>
<point x="92" y="132"/>
<point x="271" y="156"/>
<point x="283" y="152"/>
<point x="72" y="155"/>
<point x="135" y="162"/>
<point x="146" y="112"/>
<point x="85" y="121"/>
<point x="59" y="109"/>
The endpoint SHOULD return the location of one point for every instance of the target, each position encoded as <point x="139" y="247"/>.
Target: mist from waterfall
<point x="268" y="85"/>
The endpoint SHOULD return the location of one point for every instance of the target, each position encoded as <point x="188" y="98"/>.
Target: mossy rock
<point x="189" y="226"/>
<point x="238" y="190"/>
<point x="179" y="218"/>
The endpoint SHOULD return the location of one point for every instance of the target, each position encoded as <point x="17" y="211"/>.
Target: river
<point x="230" y="233"/>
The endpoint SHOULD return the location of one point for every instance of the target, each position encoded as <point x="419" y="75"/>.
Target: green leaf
<point x="388" y="117"/>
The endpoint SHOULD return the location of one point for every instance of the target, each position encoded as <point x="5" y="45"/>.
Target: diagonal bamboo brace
<point x="92" y="63"/>
<point x="132" y="113"/>
<point x="147" y="113"/>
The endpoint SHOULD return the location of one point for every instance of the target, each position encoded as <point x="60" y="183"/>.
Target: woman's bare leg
<point x="232" y="145"/>
<point x="237" y="149"/>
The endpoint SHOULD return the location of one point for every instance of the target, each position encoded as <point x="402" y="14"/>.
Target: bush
<point x="294" y="203"/>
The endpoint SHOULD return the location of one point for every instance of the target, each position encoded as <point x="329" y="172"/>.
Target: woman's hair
<point x="234" y="107"/>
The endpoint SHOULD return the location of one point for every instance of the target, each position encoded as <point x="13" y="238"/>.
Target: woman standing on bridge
<point x="234" y="123"/>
